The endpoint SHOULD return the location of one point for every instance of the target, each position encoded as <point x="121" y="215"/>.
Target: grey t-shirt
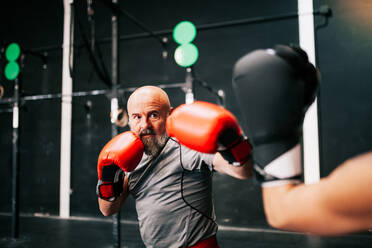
<point x="165" y="219"/>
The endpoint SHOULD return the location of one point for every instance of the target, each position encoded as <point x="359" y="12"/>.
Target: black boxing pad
<point x="274" y="88"/>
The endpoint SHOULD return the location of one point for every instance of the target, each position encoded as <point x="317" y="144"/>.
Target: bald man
<point x="171" y="184"/>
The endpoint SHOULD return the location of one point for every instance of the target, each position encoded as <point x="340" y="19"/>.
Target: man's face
<point x="147" y="119"/>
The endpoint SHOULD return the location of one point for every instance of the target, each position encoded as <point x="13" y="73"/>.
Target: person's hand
<point x="209" y="128"/>
<point x="121" y="154"/>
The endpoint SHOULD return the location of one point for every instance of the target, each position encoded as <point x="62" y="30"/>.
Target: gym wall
<point x="343" y="50"/>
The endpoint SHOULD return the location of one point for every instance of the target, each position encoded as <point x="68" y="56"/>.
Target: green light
<point x="186" y="55"/>
<point x="11" y="70"/>
<point x="12" y="52"/>
<point x="184" y="32"/>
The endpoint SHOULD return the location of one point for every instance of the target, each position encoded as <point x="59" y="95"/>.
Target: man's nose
<point x="145" y="123"/>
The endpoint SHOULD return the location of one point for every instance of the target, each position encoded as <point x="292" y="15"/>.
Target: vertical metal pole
<point x="15" y="163"/>
<point x="310" y="126"/>
<point x="66" y="111"/>
<point x="189" y="86"/>
<point x="114" y="103"/>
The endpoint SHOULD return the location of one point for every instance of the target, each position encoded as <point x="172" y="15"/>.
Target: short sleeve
<point x="193" y="160"/>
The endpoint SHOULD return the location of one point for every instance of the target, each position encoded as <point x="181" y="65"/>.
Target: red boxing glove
<point x="208" y="128"/>
<point x="122" y="153"/>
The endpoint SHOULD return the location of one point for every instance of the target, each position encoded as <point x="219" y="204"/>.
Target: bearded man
<point x="171" y="183"/>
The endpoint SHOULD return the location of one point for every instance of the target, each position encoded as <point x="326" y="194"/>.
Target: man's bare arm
<point x="240" y="172"/>
<point x="339" y="203"/>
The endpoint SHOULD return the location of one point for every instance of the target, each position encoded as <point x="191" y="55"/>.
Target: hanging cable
<point x="116" y="9"/>
<point x="182" y="195"/>
<point x="101" y="71"/>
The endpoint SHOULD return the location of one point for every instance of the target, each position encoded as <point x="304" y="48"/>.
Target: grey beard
<point x="154" y="145"/>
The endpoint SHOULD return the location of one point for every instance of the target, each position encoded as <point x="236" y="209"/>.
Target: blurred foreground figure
<point x="275" y="88"/>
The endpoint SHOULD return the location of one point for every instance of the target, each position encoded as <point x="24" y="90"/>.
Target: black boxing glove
<point x="274" y="88"/>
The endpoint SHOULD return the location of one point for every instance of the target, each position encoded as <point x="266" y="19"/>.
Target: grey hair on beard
<point x="154" y="146"/>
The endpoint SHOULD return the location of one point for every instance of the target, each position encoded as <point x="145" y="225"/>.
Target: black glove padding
<point x="274" y="88"/>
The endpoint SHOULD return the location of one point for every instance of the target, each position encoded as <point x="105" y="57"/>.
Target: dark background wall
<point x="344" y="54"/>
<point x="343" y="45"/>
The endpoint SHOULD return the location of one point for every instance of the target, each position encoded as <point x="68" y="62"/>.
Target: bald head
<point x="148" y="108"/>
<point x="148" y="95"/>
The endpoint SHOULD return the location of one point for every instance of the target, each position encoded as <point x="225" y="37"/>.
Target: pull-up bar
<point x="324" y="11"/>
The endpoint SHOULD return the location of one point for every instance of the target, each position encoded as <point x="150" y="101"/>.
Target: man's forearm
<point x="293" y="208"/>
<point x="109" y="208"/>
<point x="240" y="172"/>
<point x="339" y="203"/>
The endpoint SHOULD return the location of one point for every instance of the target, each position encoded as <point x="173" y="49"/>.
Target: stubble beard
<point x="153" y="145"/>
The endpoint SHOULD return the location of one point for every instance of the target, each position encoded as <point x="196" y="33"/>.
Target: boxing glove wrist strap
<point x="285" y="169"/>
<point x="111" y="184"/>
<point x="239" y="153"/>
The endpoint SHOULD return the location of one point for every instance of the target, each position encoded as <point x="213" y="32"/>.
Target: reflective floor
<point x="84" y="232"/>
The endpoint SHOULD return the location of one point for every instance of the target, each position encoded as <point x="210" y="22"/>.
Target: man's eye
<point x="154" y="116"/>
<point x="136" y="117"/>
